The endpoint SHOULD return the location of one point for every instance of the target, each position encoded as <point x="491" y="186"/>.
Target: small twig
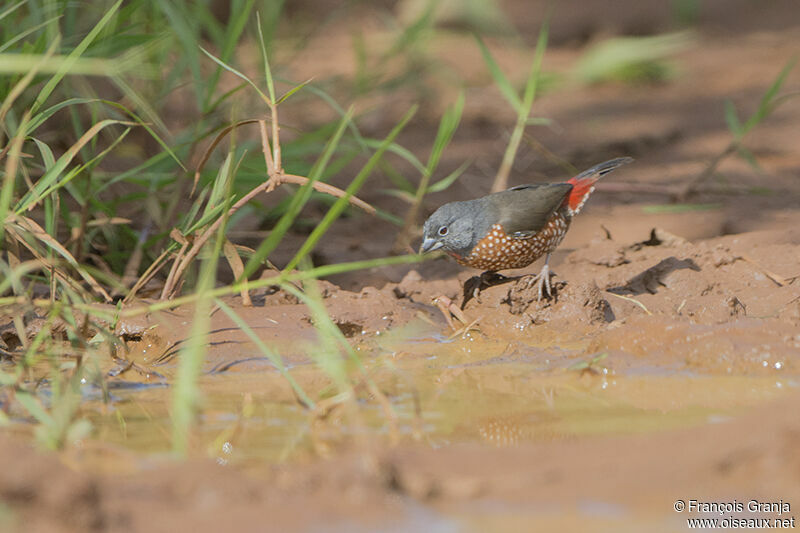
<point x="173" y="272"/>
<point x="780" y="281"/>
<point x="276" y="145"/>
<point x="148" y="274"/>
<point x="328" y="189"/>
<point x="221" y="135"/>
<point x="708" y="171"/>
<point x="271" y="168"/>
<point x="466" y="329"/>
<point x="633" y="301"/>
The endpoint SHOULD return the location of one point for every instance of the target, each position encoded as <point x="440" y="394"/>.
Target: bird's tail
<point x="583" y="183"/>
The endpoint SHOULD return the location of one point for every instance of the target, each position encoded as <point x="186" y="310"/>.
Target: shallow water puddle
<point x="443" y="392"/>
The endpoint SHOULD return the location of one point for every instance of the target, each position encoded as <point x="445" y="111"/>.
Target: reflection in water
<point x="467" y="390"/>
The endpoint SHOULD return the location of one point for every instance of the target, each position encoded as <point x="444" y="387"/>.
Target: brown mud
<point x="666" y="367"/>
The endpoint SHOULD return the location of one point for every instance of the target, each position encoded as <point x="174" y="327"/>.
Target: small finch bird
<point x="512" y="228"/>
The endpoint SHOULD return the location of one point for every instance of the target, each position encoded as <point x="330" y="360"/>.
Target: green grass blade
<point x="293" y="90"/>
<point x="31" y="69"/>
<point x="524" y="110"/>
<point x="748" y="156"/>
<point x="413" y="33"/>
<point x="236" y="288"/>
<point x="536" y="69"/>
<point x="11" y="63"/>
<point x="146" y="109"/>
<point x="397" y="178"/>
<point x="539" y="121"/>
<point x="337" y="208"/>
<point x="274" y="357"/>
<point x="447" y="181"/>
<point x="220" y="185"/>
<point x="181" y="27"/>
<point x="76" y="52"/>
<point x="208" y="217"/>
<point x="52" y="176"/>
<point x="65" y="181"/>
<point x="328" y="359"/>
<point x="42" y="117"/>
<point x="401" y="151"/>
<point x="186" y="393"/>
<point x="35" y="408"/>
<point x="325" y="97"/>
<point x="10" y="9"/>
<point x="732" y="119"/>
<point x="678" y="208"/>
<point x="765" y="107"/>
<point x="265" y="58"/>
<point x="499" y="77"/>
<point x="447" y="127"/>
<point x="236" y="73"/>
<point x="48" y="158"/>
<point x="618" y="58"/>
<point x="405" y="196"/>
<point x="389" y="217"/>
<point x="20" y="36"/>
<point x="240" y="14"/>
<point x="12" y="165"/>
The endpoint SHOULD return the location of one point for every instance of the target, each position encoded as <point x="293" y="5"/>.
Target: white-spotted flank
<point x="498" y="250"/>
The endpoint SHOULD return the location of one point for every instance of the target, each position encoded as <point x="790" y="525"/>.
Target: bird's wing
<point x="524" y="210"/>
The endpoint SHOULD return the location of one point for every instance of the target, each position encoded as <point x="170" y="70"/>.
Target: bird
<point x="512" y="228"/>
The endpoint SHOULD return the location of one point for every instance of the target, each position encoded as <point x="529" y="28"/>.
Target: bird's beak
<point x="429" y="245"/>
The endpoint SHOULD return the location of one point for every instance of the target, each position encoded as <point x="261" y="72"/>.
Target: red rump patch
<point x="581" y="189"/>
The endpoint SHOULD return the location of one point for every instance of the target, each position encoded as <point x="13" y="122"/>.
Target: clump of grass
<point x="521" y="105"/>
<point x="56" y="221"/>
<point x="631" y="59"/>
<point x="591" y="365"/>
<point x="770" y="101"/>
<point x="51" y="367"/>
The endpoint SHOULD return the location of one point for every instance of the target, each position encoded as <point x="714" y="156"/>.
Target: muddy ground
<point x="666" y="368"/>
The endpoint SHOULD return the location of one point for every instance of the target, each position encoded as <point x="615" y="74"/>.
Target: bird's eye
<point x="443" y="231"/>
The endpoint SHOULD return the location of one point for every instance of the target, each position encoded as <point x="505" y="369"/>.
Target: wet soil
<point x="666" y="367"/>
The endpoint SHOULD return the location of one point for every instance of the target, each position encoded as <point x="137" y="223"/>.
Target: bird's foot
<point x="542" y="279"/>
<point x="474" y="285"/>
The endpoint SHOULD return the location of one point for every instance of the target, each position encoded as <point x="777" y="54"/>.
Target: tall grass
<point x="68" y="241"/>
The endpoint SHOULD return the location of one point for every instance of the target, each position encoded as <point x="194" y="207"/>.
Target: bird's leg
<point x="474" y="285"/>
<point x="543" y="278"/>
<point x="487" y="279"/>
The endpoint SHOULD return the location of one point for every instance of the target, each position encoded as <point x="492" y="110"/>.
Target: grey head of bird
<point x="454" y="227"/>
